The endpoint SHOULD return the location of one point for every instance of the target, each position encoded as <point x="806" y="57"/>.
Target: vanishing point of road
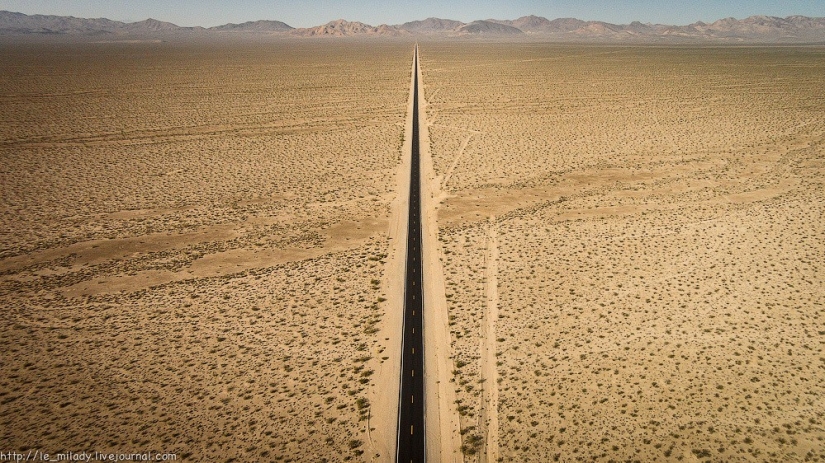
<point x="410" y="444"/>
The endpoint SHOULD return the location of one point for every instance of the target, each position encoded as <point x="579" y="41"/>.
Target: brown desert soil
<point x="442" y="440"/>
<point x="657" y="215"/>
<point x="201" y="250"/>
<point x="194" y="245"/>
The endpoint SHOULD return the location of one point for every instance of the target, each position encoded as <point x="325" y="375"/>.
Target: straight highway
<point x="410" y="444"/>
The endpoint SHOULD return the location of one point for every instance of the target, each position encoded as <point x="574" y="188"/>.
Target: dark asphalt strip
<point x="411" y="446"/>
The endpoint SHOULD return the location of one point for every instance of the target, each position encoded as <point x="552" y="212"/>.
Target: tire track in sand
<point x="488" y="417"/>
<point x="455" y="161"/>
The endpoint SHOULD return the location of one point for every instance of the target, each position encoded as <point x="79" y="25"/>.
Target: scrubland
<point x="195" y="253"/>
<point x="654" y="218"/>
<point x="192" y="245"/>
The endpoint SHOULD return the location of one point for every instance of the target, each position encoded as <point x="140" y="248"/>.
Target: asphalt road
<point x="411" y="447"/>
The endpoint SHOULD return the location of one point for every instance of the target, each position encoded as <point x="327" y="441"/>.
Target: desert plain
<point x="193" y="242"/>
<point x="632" y="244"/>
<point x="199" y="248"/>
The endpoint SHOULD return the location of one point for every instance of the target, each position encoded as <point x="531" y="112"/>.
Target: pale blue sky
<point x="304" y="14"/>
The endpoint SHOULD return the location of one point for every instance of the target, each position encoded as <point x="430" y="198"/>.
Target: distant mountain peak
<point x="153" y="25"/>
<point x="431" y="25"/>
<point x="489" y="28"/>
<point x="344" y="28"/>
<point x="531" y="23"/>
<point x="255" y="26"/>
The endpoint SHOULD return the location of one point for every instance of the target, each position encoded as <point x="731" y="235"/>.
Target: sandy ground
<point x="488" y="408"/>
<point x="193" y="246"/>
<point x="199" y="250"/>
<point x="657" y="218"/>
<point x="443" y="440"/>
<point x="386" y="394"/>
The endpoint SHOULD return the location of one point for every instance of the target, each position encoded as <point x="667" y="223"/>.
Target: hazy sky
<point x="312" y="13"/>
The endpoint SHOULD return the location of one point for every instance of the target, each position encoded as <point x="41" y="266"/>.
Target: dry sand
<point x="640" y="230"/>
<point x="201" y="250"/>
<point x="443" y="440"/>
<point x="193" y="246"/>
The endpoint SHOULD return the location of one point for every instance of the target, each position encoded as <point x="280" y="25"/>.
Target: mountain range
<point x="768" y="29"/>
